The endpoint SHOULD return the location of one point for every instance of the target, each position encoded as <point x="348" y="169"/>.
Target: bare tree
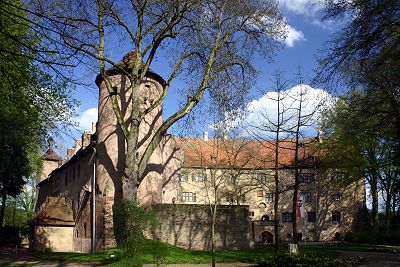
<point x="271" y="129"/>
<point x="286" y="131"/>
<point x="211" y="43"/>
<point x="226" y="177"/>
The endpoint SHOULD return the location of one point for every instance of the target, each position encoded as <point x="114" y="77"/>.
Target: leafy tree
<point x="32" y="102"/>
<point x="356" y="144"/>
<point x="364" y="56"/>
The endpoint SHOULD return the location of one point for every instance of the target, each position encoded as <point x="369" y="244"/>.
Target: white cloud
<point x="306" y="7"/>
<point x="264" y="108"/>
<point x="293" y="36"/>
<point x="86" y="118"/>
<point x="329" y="24"/>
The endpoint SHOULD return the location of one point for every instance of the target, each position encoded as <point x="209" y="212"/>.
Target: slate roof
<point x="247" y="154"/>
<point x="55" y="213"/>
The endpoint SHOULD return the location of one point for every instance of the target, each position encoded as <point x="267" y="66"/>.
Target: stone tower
<point x="111" y="146"/>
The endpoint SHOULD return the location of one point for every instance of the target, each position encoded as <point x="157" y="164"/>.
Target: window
<point x="336" y="197"/>
<point x="307" y="177"/>
<point x="338" y="176"/>
<point x="287" y="217"/>
<point x="183" y="177"/>
<point x="265" y="218"/>
<point x="260" y="193"/>
<point x="262" y="205"/>
<point x="336" y="216"/>
<point x="262" y="178"/>
<point x="199" y="177"/>
<point x="188" y="197"/>
<point x="311" y="216"/>
<point x="251" y="213"/>
<point x="270" y="197"/>
<point x="307" y="196"/>
<point x="231" y="178"/>
<point x="84" y="230"/>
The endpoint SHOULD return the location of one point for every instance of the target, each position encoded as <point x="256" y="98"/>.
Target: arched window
<point x="265" y="218"/>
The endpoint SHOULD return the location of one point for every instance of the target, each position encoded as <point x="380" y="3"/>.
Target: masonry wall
<point x="53" y="238"/>
<point x="189" y="226"/>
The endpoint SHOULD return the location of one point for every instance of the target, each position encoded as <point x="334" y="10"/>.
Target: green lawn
<point x="157" y="252"/>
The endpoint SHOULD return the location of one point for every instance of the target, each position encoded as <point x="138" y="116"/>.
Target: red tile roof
<point x="244" y="154"/>
<point x="51" y="154"/>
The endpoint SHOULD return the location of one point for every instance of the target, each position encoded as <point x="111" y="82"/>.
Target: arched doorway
<point x="337" y="236"/>
<point x="267" y="237"/>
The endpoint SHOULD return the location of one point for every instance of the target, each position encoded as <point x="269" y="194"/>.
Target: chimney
<point x="225" y="136"/>
<point x="86" y="139"/>
<point x="70" y="153"/>
<point x="94" y="127"/>
<point x="206" y="136"/>
<point x="78" y="144"/>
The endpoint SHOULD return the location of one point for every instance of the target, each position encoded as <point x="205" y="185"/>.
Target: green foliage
<point x="33" y="101"/>
<point x="130" y="220"/>
<point x="309" y="260"/>
<point x="382" y="237"/>
<point x="153" y="250"/>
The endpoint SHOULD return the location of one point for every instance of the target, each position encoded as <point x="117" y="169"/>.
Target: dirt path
<point x="375" y="259"/>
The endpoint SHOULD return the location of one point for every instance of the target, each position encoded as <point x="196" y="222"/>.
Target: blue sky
<point x="307" y="34"/>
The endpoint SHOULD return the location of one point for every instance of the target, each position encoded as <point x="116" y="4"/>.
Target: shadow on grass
<point x="13" y="264"/>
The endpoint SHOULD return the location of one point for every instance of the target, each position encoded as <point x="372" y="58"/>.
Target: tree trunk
<point x="374" y="195"/>
<point x="214" y="217"/>
<point x="3" y="208"/>
<point x="276" y="212"/>
<point x="294" y="210"/>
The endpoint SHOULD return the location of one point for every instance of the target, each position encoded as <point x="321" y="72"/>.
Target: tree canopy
<point x="32" y="102"/>
<point x="363" y="128"/>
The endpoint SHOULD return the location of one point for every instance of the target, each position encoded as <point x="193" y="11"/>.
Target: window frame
<point x="307" y="177"/>
<point x="183" y="174"/>
<point x="337" y="197"/>
<point x="312" y="215"/>
<point x="188" y="196"/>
<point x="336" y="216"/>
<point x="262" y="178"/>
<point x="287" y="217"/>
<point x="307" y="196"/>
<point x="269" y="197"/>
<point x="196" y="177"/>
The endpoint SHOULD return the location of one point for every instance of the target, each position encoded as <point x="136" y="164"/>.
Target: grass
<point x="158" y="252"/>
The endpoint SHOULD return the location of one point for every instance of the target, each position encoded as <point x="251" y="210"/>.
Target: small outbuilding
<point x="53" y="226"/>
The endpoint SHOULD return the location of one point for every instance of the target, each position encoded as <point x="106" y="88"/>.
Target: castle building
<point x="184" y="176"/>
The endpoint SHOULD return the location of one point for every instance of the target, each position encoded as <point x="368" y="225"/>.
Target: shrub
<point x="309" y="260"/>
<point x="130" y="220"/>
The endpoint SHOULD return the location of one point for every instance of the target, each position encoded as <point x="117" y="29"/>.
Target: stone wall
<point x="189" y="226"/>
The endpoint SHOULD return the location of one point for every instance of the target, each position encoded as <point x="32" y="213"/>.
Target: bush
<point x="379" y="237"/>
<point x="130" y="220"/>
<point x="309" y="260"/>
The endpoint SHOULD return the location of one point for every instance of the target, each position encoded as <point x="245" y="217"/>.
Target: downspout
<point x="94" y="202"/>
